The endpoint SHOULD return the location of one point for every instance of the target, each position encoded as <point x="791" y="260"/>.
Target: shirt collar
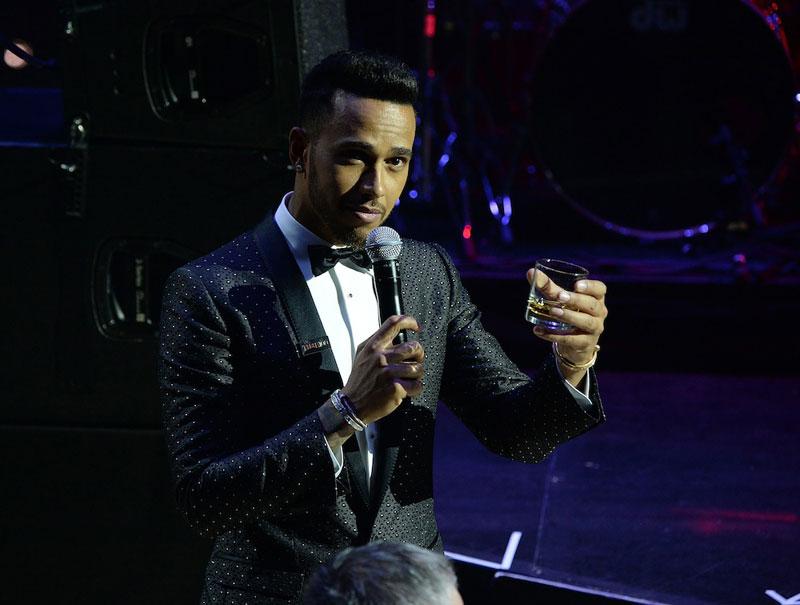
<point x="300" y="238"/>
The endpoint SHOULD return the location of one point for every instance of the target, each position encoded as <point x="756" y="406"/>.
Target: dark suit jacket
<point x="244" y="366"/>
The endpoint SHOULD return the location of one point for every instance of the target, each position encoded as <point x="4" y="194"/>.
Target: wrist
<point x="336" y="429"/>
<point x="572" y="364"/>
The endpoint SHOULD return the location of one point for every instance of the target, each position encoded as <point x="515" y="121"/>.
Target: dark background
<point x="663" y="156"/>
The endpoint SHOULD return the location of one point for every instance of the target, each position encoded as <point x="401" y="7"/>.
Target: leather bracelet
<point x="575" y="366"/>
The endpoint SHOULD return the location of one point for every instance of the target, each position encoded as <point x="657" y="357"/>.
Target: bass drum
<point x="662" y="118"/>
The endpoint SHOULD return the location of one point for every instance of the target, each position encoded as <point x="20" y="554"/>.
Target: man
<point x="270" y="362"/>
<point x="384" y="573"/>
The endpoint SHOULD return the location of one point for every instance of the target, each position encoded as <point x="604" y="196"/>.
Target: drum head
<point x="643" y="110"/>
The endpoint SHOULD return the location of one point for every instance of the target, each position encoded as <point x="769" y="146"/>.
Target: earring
<point x="298" y="167"/>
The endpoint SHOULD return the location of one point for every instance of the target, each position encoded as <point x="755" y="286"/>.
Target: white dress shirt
<point x="348" y="308"/>
<point x="347" y="304"/>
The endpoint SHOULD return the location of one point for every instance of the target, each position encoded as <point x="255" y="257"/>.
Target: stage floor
<point x="689" y="494"/>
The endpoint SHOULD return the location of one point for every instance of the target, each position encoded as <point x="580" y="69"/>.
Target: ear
<point x="298" y="145"/>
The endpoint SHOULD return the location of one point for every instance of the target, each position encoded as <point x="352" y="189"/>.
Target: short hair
<point x="364" y="74"/>
<point x="383" y="573"/>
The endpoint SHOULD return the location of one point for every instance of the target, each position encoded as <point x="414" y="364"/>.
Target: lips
<point x="366" y="214"/>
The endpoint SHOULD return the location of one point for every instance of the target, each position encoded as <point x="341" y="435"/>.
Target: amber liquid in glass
<point x="538" y="313"/>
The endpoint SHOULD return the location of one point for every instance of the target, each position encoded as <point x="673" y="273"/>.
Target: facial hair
<point x="327" y="215"/>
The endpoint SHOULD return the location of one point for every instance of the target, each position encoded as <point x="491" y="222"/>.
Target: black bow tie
<point x="324" y="258"/>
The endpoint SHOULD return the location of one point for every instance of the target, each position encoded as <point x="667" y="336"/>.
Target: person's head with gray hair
<point x="384" y="573"/>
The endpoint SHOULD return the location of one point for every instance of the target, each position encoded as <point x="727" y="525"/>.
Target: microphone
<point x="383" y="248"/>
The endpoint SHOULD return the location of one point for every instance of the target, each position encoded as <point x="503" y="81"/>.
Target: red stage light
<point x="430" y="25"/>
<point x="466" y="233"/>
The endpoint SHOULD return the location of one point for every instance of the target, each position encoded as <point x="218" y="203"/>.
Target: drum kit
<point x="663" y="119"/>
<point x="657" y="119"/>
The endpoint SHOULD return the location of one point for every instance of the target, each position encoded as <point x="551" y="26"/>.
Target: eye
<point x="351" y="157"/>
<point x="397" y="163"/>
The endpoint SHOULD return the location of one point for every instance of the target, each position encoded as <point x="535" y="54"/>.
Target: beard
<point x="354" y="238"/>
<point x="328" y="215"/>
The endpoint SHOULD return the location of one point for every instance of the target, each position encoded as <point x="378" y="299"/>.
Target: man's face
<point x="356" y="166"/>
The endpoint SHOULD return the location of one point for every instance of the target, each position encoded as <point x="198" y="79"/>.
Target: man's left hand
<point x="585" y="310"/>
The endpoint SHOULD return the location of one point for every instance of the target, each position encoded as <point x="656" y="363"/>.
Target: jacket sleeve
<point x="221" y="485"/>
<point x="512" y="414"/>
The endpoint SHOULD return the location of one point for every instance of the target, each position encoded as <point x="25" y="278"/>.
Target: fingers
<point x="412" y="388"/>
<point x="588" y="296"/>
<point x="582" y="322"/>
<point x="405" y="367"/>
<point x="592" y="287"/>
<point x="410" y="351"/>
<point x="403" y="380"/>
<point x="545" y="285"/>
<point x="391" y="328"/>
<point x="406" y="371"/>
<point x="383" y="373"/>
<point x="577" y="342"/>
<point x="584" y="303"/>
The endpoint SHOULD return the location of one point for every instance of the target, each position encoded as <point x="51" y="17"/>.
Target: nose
<point x="372" y="182"/>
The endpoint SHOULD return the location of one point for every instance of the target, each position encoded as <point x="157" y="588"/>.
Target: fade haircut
<point x="363" y="74"/>
<point x="383" y="573"/>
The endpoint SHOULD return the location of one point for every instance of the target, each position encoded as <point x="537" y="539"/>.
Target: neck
<point x="293" y="205"/>
<point x="299" y="208"/>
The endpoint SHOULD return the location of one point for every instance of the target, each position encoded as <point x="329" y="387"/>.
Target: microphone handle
<point x="390" y="302"/>
<point x="390" y="297"/>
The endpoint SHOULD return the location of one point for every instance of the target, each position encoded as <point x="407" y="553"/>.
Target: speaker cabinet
<point x="211" y="73"/>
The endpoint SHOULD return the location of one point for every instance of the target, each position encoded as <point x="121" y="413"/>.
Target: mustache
<point x="369" y="205"/>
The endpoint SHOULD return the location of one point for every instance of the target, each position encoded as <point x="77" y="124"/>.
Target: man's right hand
<point x="383" y="373"/>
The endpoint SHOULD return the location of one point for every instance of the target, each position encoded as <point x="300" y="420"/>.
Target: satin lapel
<point x="310" y="338"/>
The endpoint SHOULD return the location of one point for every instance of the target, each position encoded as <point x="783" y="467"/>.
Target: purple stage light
<point x="506" y="208"/>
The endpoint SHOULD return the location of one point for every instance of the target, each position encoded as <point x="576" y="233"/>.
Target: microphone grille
<point x="383" y="243"/>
